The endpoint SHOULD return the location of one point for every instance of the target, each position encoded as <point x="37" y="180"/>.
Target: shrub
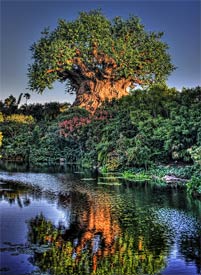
<point x="194" y="186"/>
<point x="20" y="118"/>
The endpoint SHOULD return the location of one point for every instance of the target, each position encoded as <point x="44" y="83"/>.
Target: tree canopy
<point x="98" y="57"/>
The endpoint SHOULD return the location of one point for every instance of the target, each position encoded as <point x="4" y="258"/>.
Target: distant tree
<point x="98" y="59"/>
<point x="10" y="101"/>
<point x="10" y="105"/>
<point x="27" y="96"/>
<point x="35" y="110"/>
<point x="51" y="110"/>
<point x="64" y="107"/>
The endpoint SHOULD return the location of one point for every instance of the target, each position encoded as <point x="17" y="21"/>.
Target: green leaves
<point x="159" y="125"/>
<point x="138" y="55"/>
<point x="194" y="186"/>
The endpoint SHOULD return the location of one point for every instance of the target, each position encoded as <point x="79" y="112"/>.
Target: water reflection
<point x="191" y="249"/>
<point x="16" y="194"/>
<point x="89" y="253"/>
<point x="69" y="226"/>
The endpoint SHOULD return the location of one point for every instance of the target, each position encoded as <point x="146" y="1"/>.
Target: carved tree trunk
<point x="96" y="83"/>
<point x="91" y="94"/>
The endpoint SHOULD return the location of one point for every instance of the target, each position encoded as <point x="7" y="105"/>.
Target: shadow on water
<point x="67" y="223"/>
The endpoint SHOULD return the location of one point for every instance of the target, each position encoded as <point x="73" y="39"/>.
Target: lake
<point x="69" y="221"/>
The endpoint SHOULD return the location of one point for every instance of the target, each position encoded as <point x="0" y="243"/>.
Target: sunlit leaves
<point x="20" y="118"/>
<point x="138" y="55"/>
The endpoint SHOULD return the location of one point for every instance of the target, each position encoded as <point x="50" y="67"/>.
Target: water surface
<point x="74" y="223"/>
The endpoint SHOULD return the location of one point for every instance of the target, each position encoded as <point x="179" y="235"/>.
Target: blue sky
<point x="23" y="21"/>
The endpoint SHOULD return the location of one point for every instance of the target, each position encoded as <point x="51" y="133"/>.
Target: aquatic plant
<point x="141" y="176"/>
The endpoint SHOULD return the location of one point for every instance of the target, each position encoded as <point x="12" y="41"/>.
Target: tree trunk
<point x="91" y="94"/>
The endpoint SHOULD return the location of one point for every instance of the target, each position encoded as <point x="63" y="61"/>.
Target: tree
<point x="10" y="104"/>
<point x="98" y="59"/>
<point x="51" y="110"/>
<point x="27" y="97"/>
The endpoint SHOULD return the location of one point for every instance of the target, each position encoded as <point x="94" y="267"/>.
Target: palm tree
<point x="27" y="96"/>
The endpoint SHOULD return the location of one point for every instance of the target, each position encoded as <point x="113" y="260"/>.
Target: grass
<point x="141" y="176"/>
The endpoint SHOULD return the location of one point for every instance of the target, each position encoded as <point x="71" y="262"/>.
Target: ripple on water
<point x="178" y="222"/>
<point x="46" y="182"/>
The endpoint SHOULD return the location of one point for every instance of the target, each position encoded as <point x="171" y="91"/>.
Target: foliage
<point x="136" y="177"/>
<point x="16" y="142"/>
<point x="92" y="47"/>
<point x="11" y="104"/>
<point x="27" y="96"/>
<point x="195" y="153"/>
<point x="194" y="186"/>
<point x="67" y="127"/>
<point x="145" y="129"/>
<point x="48" y="111"/>
<point x="1" y="117"/>
<point x="19" y="118"/>
<point x="184" y="172"/>
<point x="47" y="149"/>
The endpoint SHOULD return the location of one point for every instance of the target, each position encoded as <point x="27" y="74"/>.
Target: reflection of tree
<point x="94" y="243"/>
<point x="41" y="231"/>
<point x="95" y="219"/>
<point x="13" y="166"/>
<point x="143" y="223"/>
<point x="93" y="224"/>
<point x="191" y="249"/>
<point x="17" y="193"/>
<point x="129" y="255"/>
<point x="20" y="197"/>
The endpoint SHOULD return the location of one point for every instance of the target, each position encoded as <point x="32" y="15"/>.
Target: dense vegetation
<point x="146" y="129"/>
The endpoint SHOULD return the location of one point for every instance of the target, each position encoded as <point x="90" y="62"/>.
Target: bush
<point x="194" y="186"/>
<point x="157" y="126"/>
<point x="20" y="118"/>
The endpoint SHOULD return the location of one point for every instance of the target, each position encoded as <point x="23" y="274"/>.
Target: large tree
<point x="98" y="59"/>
